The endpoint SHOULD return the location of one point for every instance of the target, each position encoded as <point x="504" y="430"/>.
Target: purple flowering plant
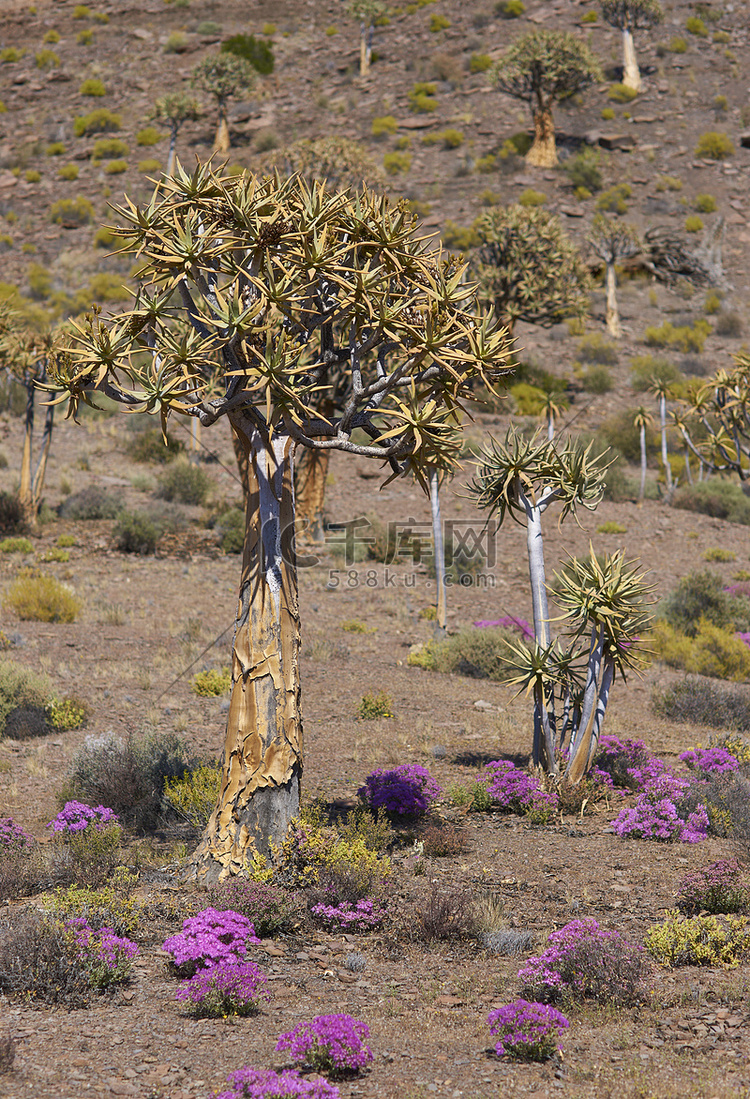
<point x="108" y="956"/>
<point x="77" y="817"/>
<point x="256" y="1083"/>
<point x="332" y="1044"/>
<point x="362" y="916"/>
<point x="12" y="836"/>
<point x="527" y="1031"/>
<point x="628" y="762"/>
<point x="232" y="988"/>
<point x="515" y="790"/>
<point x="716" y="888"/>
<point x="408" y="790"/>
<point x="209" y="939"/>
<point x="509" y="622"/>
<point x="715" y="760"/>
<point x="586" y="961"/>
<point x="657" y="813"/>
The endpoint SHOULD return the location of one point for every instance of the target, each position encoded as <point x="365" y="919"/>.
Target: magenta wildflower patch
<point x="363" y="916"/>
<point x="334" y="1044"/>
<point x="76" y="817"/>
<point x="513" y="789"/>
<point x="655" y="814"/>
<point x="408" y="790"/>
<point x="527" y="1031"/>
<point x="232" y="988"/>
<point x="108" y="956"/>
<point x="12" y="835"/>
<point x="256" y="1083"/>
<point x="210" y="938"/>
<point x="713" y="760"/>
<point x="509" y="622"/>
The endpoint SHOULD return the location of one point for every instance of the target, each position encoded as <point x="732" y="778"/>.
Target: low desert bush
<point x="269" y="908"/>
<point x="714" y="146"/>
<point x="212" y="683"/>
<point x="621" y="93"/>
<point x="527" y="1031"/>
<point x="108" y="148"/>
<point x="195" y="795"/>
<point x="477" y="653"/>
<point x="704" y="703"/>
<point x="35" y="597"/>
<point x="720" y="499"/>
<point x="232" y="988"/>
<point x="719" y="888"/>
<point x="682" y="337"/>
<point x="93" y="87"/>
<point x="72" y="213"/>
<point x="386" y="125"/>
<point x="699" y="940"/>
<point x="442" y="840"/>
<point x="210" y="938"/>
<point x="94" y="502"/>
<point x="614" y="200"/>
<point x="147" y="445"/>
<point x="112" y="905"/>
<point x="584" y="169"/>
<point x="16" y="545"/>
<point x="701" y="596"/>
<point x="136" y="532"/>
<point x="375" y="704"/>
<point x="185" y="483"/>
<point x="445" y="914"/>
<point x="729" y="324"/>
<point x="255" y="50"/>
<point x="713" y="651"/>
<point x="100" y="121"/>
<point x="596" y="349"/>
<point x="585" y="961"/>
<point x="332" y="1044"/>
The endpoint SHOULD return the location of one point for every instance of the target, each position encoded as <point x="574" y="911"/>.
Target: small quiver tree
<point x="613" y="241"/>
<point x="251" y="290"/>
<point x="367" y="12"/>
<point x="528" y="268"/>
<point x="27" y="357"/>
<point x="642" y="419"/>
<point x="175" y="109"/>
<point x="661" y="388"/>
<point x="223" y="75"/>
<point x="715" y="420"/>
<point x="542" y="68"/>
<point x="628" y="16"/>
<point x="520" y="478"/>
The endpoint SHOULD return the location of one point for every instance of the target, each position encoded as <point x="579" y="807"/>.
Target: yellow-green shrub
<point x="699" y="940"/>
<point x="68" y="172"/>
<point x="529" y="399"/>
<point x="92" y="87"/>
<point x="212" y="683"/>
<point x="100" y="121"/>
<point x="16" y="545"/>
<point x="480" y="62"/>
<point x="196" y="794"/>
<point x="38" y="598"/>
<point x="713" y="651"/>
<point x="621" y="93"/>
<point x="110" y="906"/>
<point x="705" y="204"/>
<point x="693" y="223"/>
<point x="66" y="713"/>
<point x="395" y="163"/>
<point x="386" y="124"/>
<point x="714" y="146"/>
<point x="682" y="338"/>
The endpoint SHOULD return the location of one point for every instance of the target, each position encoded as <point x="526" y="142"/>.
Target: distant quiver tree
<point x="223" y="75"/>
<point x="175" y="109"/>
<point x="613" y="241"/>
<point x="628" y="16"/>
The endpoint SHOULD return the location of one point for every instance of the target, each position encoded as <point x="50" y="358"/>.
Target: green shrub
<point x="46" y="59"/>
<point x="476" y="653"/>
<point x="697" y="702"/>
<point x="682" y="338"/>
<point x="438" y="23"/>
<point x="510" y="9"/>
<point x="212" y="683"/>
<point x="693" y="223"/>
<point x="621" y="93"/>
<point x="721" y="37"/>
<point x="584" y="169"/>
<point x="608" y="114"/>
<point x="530" y="197"/>
<point x="718" y="554"/>
<point x="714" y="146"/>
<point x="23" y="698"/>
<point x="699" y="940"/>
<point x="110" y="906"/>
<point x="52" y="37"/>
<point x="611" y="527"/>
<point x="148" y="446"/>
<point x="695" y="25"/>
<point x="705" y="204"/>
<point x="136" y="532"/>
<point x="67" y="713"/>
<point x="148" y="136"/>
<point x="677" y="45"/>
<point x="85" y="37"/>
<point x="81" y="11"/>
<point x="613" y="200"/>
<point x="10" y="55"/>
<point x="529" y="400"/>
<point x="100" y="121"/>
<point x="480" y="62"/>
<point x="71" y="213"/>
<point x="386" y="124"/>
<point x="644" y="369"/>
<point x="32" y="175"/>
<point x="196" y="794"/>
<point x="94" y="502"/>
<point x="177" y="42"/>
<point x="720" y="499"/>
<point x="16" y="545"/>
<point x="669" y="183"/>
<point x="149" y="166"/>
<point x="230" y="526"/>
<point x="68" y="172"/>
<point x="107" y="148"/>
<point x="449" y="139"/>
<point x="396" y="163"/>
<point x="115" y="167"/>
<point x="38" y="598"/>
<point x="185" y="483"/>
<point x="55" y="555"/>
<point x="698" y="596"/>
<point x="713" y="651"/>
<point x="597" y="380"/>
<point x="92" y="87"/>
<point x="422" y="97"/>
<point x="254" y="50"/>
<point x="374" y="705"/>
<point x="590" y="17"/>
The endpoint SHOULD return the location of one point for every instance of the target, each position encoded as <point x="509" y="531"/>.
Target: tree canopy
<point x="545" y="67"/>
<point x="632" y="14"/>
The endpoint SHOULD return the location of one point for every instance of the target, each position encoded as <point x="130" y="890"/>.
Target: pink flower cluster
<point x="718" y="887"/>
<point x="75" y="817"/>
<point x="408" y="790"/>
<point x="211" y="938"/>
<point x="526" y="1031"/>
<point x="362" y="917"/>
<point x="12" y="835"/>
<point x="232" y="988"/>
<point x="586" y="960"/>
<point x="655" y="813"/>
<point x="509" y="622"/>
<point x="334" y="1044"/>
<point x="514" y="789"/>
<point x="716" y="760"/>
<point x="108" y="956"/>
<point x="256" y="1083"/>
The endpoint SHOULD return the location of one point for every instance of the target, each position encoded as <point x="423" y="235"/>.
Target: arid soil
<point x="149" y="623"/>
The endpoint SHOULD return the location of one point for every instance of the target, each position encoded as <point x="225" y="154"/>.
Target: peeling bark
<point x="310" y="475"/>
<point x="221" y="141"/>
<point x="543" y="152"/>
<point x="612" y="313"/>
<point x="631" y="73"/>
<point x="260" y="787"/>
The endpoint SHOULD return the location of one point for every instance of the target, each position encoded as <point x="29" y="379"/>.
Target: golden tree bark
<point x="310" y="476"/>
<point x="611" y="310"/>
<point x="260" y="787"/>
<point x="221" y="141"/>
<point x="631" y="77"/>
<point x="543" y="152"/>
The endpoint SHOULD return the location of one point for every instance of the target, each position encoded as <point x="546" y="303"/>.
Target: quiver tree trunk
<point x="365" y="48"/>
<point x="611" y="312"/>
<point x="32" y="482"/>
<point x="642" y="491"/>
<point x="221" y="141"/>
<point x="441" y="616"/>
<point x="631" y="75"/>
<point x="171" y="153"/>
<point x="543" y="152"/>
<point x="260" y="787"/>
<point x="310" y="476"/>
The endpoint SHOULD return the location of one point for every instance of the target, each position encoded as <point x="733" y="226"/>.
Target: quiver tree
<point x="251" y="291"/>
<point x="223" y="75"/>
<point x="175" y="109"/>
<point x="613" y="241"/>
<point x="661" y="389"/>
<point x="520" y="478"/>
<point x="27" y="357"/>
<point x="528" y="268"/>
<point x="642" y="419"/>
<point x="367" y="12"/>
<point x="715" y="420"/>
<point x="542" y="68"/>
<point x="628" y="16"/>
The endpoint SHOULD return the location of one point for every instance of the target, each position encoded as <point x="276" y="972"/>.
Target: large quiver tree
<point x="252" y="291"/>
<point x="542" y="68"/>
<point x="628" y="16"/>
<point x="528" y="268"/>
